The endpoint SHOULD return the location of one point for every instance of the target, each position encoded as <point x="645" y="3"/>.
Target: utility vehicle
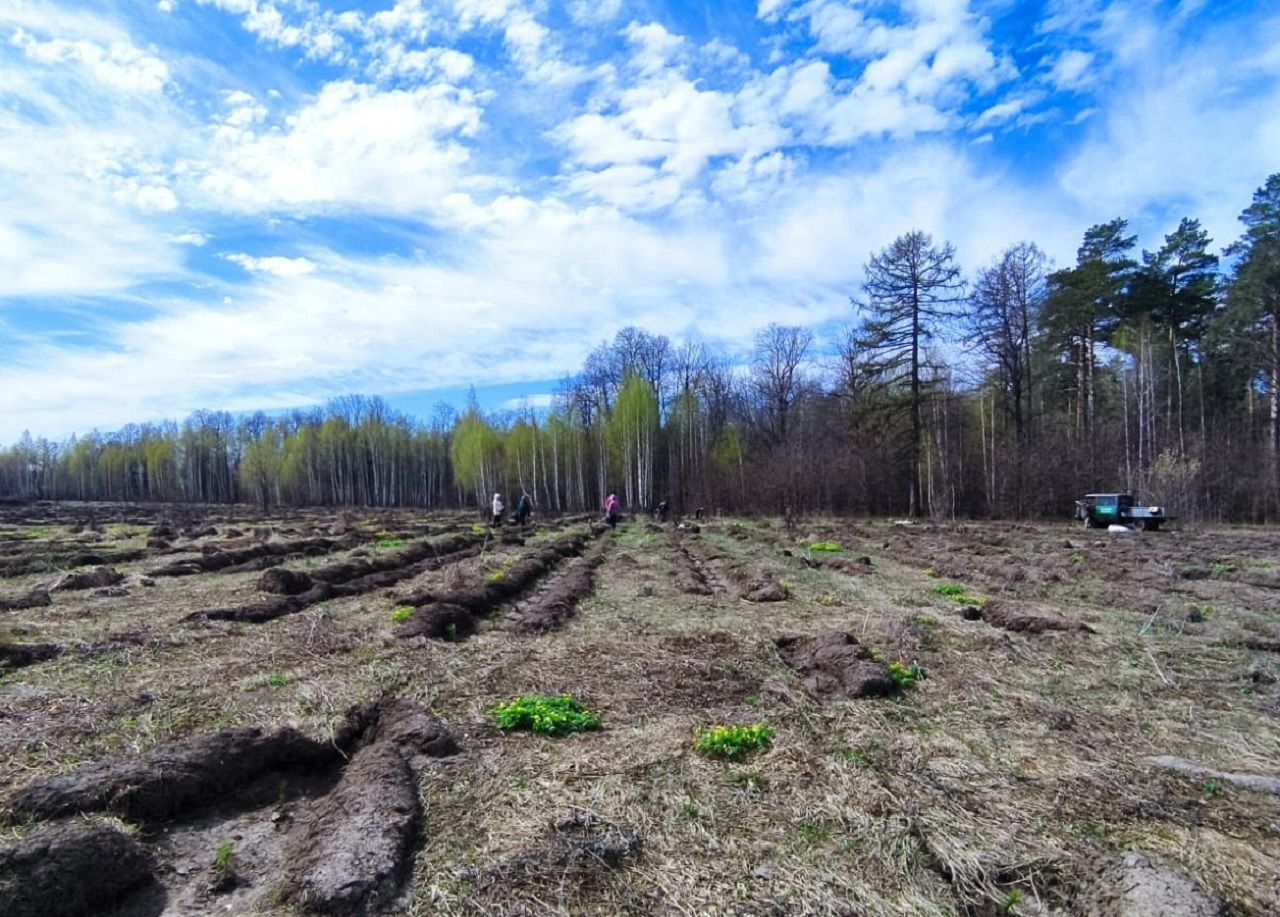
<point x="1101" y="510"/>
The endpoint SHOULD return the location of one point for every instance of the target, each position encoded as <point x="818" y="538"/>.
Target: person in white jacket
<point x="497" y="510"/>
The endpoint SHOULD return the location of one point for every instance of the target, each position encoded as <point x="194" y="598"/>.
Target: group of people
<point x="524" y="509"/>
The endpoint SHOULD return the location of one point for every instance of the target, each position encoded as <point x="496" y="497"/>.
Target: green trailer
<point x="1101" y="510"/>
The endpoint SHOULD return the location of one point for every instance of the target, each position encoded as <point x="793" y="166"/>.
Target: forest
<point x="1005" y="394"/>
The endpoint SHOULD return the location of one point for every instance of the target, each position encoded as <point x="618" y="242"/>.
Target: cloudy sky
<point x="244" y="204"/>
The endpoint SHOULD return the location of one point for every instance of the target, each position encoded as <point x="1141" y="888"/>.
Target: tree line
<point x="1008" y="393"/>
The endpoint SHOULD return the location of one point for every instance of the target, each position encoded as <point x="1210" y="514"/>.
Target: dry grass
<point x="1016" y="766"/>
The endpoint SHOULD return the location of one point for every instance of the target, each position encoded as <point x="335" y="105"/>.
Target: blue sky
<point x="261" y="204"/>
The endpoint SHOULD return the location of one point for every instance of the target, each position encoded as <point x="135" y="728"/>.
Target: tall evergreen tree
<point x="911" y="287"/>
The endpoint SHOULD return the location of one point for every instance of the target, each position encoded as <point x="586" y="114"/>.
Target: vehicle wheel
<point x="1140" y="525"/>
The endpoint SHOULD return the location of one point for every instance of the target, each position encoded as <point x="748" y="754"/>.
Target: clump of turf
<point x="734" y="742"/>
<point x="558" y="715"/>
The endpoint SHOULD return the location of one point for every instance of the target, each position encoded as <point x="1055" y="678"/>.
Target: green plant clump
<point x="558" y="715"/>
<point x="391" y="542"/>
<point x="904" y="676"/>
<point x="734" y="742"/>
<point x="402" y="614"/>
<point x="826" y="547"/>
<point x="223" y="857"/>
<point x="958" y="593"/>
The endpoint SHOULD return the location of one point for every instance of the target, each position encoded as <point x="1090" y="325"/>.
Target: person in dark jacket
<point x="523" y="508"/>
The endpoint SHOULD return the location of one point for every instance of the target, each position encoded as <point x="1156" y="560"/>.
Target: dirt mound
<point x="1135" y="885"/>
<point x="36" y="598"/>
<point x="280" y="581"/>
<point x="689" y="578"/>
<point x="1000" y="614"/>
<point x="440" y="621"/>
<point x="481" y="599"/>
<point x="171" y="781"/>
<point x="70" y="868"/>
<point x="767" y="590"/>
<point x="216" y="558"/>
<point x="375" y="576"/>
<point x="20" y="655"/>
<point x="353" y="854"/>
<point x="87" y="579"/>
<point x="835" y="665"/>
<point x="556" y="604"/>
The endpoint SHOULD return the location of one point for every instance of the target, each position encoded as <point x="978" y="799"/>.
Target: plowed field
<point x="213" y="710"/>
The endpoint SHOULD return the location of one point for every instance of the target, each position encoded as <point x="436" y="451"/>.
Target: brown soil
<point x="341" y="580"/>
<point x="73" y="868"/>
<point x="36" y="598"/>
<point x="20" y="655"/>
<point x="350" y="857"/>
<point x="87" y="579"/>
<point x="1000" y="614"/>
<point x="168" y="782"/>
<point x="556" y="603"/>
<point x="429" y="618"/>
<point x="279" y="581"/>
<point x="835" y="665"/>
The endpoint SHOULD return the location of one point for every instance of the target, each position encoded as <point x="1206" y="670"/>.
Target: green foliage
<point x="1012" y="898"/>
<point x="1077" y="558"/>
<point x="904" y="676"/>
<point x="402" y="614"/>
<point x="733" y="742"/>
<point x="278" y="680"/>
<point x="1212" y="788"/>
<point x="557" y="715"/>
<point x="476" y="452"/>
<point x="496" y="575"/>
<point x="958" y="593"/>
<point x="224" y="857"/>
<point x="391" y="543"/>
<point x="826" y="547"/>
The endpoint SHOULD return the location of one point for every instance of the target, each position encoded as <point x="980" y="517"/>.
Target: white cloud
<point x="353" y="145"/>
<point x="1071" y="71"/>
<point x="537" y="400"/>
<point x="197" y="239"/>
<point x="1159" y="140"/>
<point x="275" y="265"/>
<point x="119" y="65"/>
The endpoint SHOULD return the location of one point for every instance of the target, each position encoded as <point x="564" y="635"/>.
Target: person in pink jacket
<point x="612" y="509"/>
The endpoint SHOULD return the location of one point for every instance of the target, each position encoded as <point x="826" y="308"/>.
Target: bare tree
<point x="776" y="376"/>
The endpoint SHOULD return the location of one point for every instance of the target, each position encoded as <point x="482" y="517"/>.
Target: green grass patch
<point x="958" y="592"/>
<point x="278" y="680"/>
<point x="391" y="542"/>
<point x="402" y="614"/>
<point x="558" y="715"/>
<point x="733" y="743"/>
<point x="826" y="547"/>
